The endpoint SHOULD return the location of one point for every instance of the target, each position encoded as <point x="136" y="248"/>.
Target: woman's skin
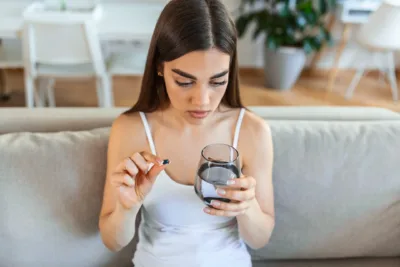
<point x="195" y="83"/>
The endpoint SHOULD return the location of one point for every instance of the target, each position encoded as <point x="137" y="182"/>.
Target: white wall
<point x="251" y="52"/>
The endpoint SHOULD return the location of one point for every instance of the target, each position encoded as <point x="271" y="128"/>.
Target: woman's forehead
<point x="202" y="63"/>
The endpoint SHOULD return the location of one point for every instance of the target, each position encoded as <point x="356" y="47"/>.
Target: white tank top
<point x="174" y="230"/>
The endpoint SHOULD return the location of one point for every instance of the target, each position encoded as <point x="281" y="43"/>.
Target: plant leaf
<point x="241" y="24"/>
<point x="301" y="21"/>
<point x="323" y="7"/>
<point x="271" y="42"/>
<point x="316" y="43"/>
<point x="285" y="9"/>
<point x="305" y="6"/>
<point x="307" y="46"/>
<point x="311" y="16"/>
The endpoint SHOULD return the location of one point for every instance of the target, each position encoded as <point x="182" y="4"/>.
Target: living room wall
<point x="250" y="52"/>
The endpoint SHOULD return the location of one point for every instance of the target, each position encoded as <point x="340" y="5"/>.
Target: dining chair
<point x="380" y="36"/>
<point x="62" y="45"/>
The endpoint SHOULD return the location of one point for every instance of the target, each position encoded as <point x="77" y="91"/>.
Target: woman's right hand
<point x="133" y="178"/>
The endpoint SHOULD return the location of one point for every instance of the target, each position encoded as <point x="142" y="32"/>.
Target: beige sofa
<point x="336" y="178"/>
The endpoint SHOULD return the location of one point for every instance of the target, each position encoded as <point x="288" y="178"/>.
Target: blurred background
<point x="291" y="53"/>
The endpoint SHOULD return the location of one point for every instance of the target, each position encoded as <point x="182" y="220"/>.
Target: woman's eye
<point x="219" y="83"/>
<point x="184" y="84"/>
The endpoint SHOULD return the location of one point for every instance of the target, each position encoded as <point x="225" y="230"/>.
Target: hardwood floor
<point x="308" y="91"/>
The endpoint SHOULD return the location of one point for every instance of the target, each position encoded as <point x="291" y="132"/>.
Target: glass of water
<point x="218" y="164"/>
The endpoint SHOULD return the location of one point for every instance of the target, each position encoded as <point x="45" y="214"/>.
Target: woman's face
<point x="196" y="83"/>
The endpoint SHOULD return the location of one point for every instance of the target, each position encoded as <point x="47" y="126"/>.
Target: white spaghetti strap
<point x="148" y="133"/>
<point x="237" y="130"/>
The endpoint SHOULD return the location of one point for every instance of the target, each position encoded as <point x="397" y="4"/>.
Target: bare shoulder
<point x="255" y="138"/>
<point x="254" y="126"/>
<point x="127" y="136"/>
<point x="128" y="127"/>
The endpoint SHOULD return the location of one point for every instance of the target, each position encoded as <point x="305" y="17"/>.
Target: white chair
<point x="380" y="36"/>
<point x="127" y="58"/>
<point x="62" y="44"/>
<point x="10" y="58"/>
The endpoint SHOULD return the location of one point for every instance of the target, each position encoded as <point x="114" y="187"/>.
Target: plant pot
<point x="282" y="67"/>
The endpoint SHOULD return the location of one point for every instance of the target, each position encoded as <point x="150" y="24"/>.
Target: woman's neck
<point x="179" y="121"/>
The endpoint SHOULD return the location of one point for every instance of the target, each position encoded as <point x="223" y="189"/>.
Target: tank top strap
<point x="238" y="125"/>
<point x="148" y="132"/>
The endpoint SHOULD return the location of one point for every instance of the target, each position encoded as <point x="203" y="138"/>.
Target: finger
<point x="224" y="213"/>
<point x="231" y="206"/>
<point x="141" y="162"/>
<point x="127" y="165"/>
<point x="128" y="180"/>
<point x="239" y="195"/>
<point x="243" y="182"/>
<point x="131" y="167"/>
<point x="152" y="158"/>
<point x="155" y="171"/>
<point x="123" y="180"/>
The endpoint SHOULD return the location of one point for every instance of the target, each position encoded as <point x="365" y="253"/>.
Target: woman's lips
<point x="198" y="114"/>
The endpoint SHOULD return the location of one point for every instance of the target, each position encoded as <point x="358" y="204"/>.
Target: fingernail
<point x="230" y="182"/>
<point x="221" y="191"/>
<point x="207" y="210"/>
<point x="215" y="203"/>
<point x="165" y="161"/>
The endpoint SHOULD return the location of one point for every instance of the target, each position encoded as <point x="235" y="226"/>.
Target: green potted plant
<point x="292" y="29"/>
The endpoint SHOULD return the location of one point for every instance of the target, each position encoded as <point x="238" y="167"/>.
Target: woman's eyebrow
<point x="184" y="74"/>
<point x="218" y="75"/>
<point x="190" y="76"/>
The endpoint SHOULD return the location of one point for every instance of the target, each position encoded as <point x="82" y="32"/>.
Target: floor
<point x="308" y="91"/>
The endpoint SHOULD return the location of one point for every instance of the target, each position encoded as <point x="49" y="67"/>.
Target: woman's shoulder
<point x="251" y="124"/>
<point x="255" y="137"/>
<point x="254" y="127"/>
<point x="127" y="120"/>
<point x="128" y="128"/>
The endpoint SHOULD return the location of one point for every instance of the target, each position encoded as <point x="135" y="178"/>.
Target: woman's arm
<point x="116" y="223"/>
<point x="258" y="221"/>
<point x="252" y="194"/>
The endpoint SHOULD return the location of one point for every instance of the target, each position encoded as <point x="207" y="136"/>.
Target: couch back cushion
<point x="51" y="187"/>
<point x="337" y="194"/>
<point x="337" y="190"/>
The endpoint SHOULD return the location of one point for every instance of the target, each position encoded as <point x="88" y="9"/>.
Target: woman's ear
<point x="160" y="69"/>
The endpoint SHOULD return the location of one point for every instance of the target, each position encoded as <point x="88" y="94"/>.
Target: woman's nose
<point x="201" y="96"/>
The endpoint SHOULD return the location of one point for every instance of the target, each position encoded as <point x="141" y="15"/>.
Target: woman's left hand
<point x="240" y="192"/>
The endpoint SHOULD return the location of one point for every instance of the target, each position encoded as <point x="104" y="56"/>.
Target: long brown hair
<point x="185" y="26"/>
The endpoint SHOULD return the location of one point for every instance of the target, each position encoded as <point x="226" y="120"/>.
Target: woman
<point x="189" y="98"/>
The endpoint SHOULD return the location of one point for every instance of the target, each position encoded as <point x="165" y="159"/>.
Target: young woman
<point x="189" y="99"/>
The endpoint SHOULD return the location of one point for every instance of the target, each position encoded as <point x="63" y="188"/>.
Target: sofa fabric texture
<point x="336" y="187"/>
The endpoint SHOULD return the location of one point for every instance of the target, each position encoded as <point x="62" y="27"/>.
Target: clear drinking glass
<point x="218" y="164"/>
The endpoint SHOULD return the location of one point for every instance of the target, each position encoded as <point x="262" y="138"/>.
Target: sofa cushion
<point x="51" y="187"/>
<point x="337" y="194"/>
<point x="337" y="190"/>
